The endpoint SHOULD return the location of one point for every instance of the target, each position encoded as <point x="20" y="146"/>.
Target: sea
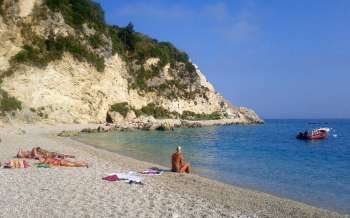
<point x="266" y="158"/>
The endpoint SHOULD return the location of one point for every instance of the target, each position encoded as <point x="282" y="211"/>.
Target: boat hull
<point x="318" y="136"/>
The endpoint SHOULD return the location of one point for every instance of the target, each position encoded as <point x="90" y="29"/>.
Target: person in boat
<point x="62" y="162"/>
<point x="306" y="134"/>
<point x="38" y="152"/>
<point x="178" y="162"/>
<point x="300" y="135"/>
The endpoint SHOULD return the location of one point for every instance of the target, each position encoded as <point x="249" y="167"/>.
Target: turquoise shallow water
<point x="266" y="157"/>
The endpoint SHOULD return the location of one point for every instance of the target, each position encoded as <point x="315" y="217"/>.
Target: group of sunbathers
<point x="44" y="157"/>
<point x="57" y="159"/>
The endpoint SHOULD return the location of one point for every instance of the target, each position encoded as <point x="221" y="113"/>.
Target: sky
<point x="284" y="59"/>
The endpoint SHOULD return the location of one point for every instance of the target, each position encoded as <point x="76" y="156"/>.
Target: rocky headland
<point x="61" y="63"/>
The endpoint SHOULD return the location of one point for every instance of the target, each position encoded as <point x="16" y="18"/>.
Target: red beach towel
<point x="111" y="178"/>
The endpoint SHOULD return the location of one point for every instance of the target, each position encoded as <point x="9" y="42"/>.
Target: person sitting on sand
<point x="62" y="162"/>
<point x="37" y="152"/>
<point x="178" y="162"/>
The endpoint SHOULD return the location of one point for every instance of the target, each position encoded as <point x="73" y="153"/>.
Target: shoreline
<point x="197" y="171"/>
<point x="168" y="195"/>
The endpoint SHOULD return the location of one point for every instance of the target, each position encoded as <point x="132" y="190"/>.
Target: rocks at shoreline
<point x="151" y="124"/>
<point x="68" y="133"/>
<point x="165" y="127"/>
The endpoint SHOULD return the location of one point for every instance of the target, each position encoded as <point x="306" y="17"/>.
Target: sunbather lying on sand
<point x="62" y="162"/>
<point x="16" y="164"/>
<point x="37" y="152"/>
<point x="178" y="162"/>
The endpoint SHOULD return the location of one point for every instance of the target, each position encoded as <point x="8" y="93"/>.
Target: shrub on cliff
<point x="189" y="115"/>
<point x="78" y="12"/>
<point x="80" y="52"/>
<point x="29" y="54"/>
<point x="8" y="103"/>
<point x="44" y="51"/>
<point x="128" y="37"/>
<point x="136" y="48"/>
<point x="40" y="51"/>
<point x="160" y="112"/>
<point x="117" y="44"/>
<point x="122" y="108"/>
<point x="156" y="111"/>
<point x="1" y="10"/>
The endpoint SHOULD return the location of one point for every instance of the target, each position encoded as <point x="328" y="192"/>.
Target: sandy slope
<point x="80" y="192"/>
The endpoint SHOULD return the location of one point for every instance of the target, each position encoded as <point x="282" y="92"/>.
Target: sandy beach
<point x="80" y="192"/>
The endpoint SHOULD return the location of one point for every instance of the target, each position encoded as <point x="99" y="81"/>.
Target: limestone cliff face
<point x="72" y="89"/>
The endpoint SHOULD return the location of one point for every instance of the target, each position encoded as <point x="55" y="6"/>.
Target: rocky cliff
<point x="60" y="62"/>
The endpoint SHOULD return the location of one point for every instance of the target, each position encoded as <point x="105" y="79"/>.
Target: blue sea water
<point x="265" y="157"/>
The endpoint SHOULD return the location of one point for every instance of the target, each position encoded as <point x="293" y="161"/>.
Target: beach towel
<point x="130" y="177"/>
<point x="111" y="178"/>
<point x="43" y="165"/>
<point x="152" y="172"/>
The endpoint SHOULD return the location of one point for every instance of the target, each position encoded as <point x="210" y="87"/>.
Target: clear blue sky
<point x="284" y="59"/>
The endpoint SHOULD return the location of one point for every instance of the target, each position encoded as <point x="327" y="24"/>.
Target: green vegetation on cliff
<point x="189" y="115"/>
<point x="100" y="42"/>
<point x="123" y="108"/>
<point x="1" y="9"/>
<point x="8" y="104"/>
<point x="151" y="109"/>
<point x="156" y="111"/>
<point x="139" y="47"/>
<point x="41" y="51"/>
<point x="160" y="112"/>
<point x="78" y="12"/>
<point x="136" y="48"/>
